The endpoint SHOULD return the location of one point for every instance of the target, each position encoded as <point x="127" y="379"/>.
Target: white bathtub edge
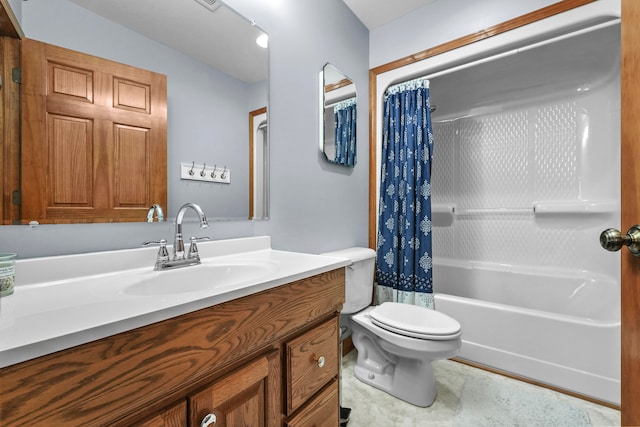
<point x="579" y="382"/>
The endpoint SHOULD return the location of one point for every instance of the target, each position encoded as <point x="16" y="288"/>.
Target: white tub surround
<point x="63" y="301"/>
<point x="525" y="177"/>
<point x="520" y="197"/>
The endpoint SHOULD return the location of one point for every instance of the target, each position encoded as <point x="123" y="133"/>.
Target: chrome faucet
<point x="178" y="242"/>
<point x="179" y="260"/>
<point x="157" y="209"/>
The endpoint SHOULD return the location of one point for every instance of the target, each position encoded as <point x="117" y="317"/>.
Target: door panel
<point x="94" y="138"/>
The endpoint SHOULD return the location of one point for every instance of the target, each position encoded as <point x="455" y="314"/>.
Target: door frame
<point x="630" y="207"/>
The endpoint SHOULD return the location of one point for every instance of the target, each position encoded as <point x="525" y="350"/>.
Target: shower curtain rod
<point x="511" y="52"/>
<point x="432" y="108"/>
<point x="333" y="104"/>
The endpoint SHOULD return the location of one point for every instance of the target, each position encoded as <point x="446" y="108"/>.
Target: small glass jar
<point x="7" y="273"/>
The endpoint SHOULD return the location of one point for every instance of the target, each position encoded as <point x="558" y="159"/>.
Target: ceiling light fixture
<point x="210" y="4"/>
<point x="263" y="40"/>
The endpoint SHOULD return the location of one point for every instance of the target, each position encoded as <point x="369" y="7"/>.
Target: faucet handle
<point x="163" y="254"/>
<point x="193" y="248"/>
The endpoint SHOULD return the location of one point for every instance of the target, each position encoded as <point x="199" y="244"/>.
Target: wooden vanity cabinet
<point x="175" y="416"/>
<point x="253" y="361"/>
<point x="239" y="398"/>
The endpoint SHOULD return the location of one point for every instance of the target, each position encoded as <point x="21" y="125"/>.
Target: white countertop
<point x="60" y="302"/>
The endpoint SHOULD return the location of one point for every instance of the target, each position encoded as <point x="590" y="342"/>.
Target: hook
<point x="192" y="166"/>
<point x="224" y="173"/>
<point x="202" y="173"/>
<point x="213" y="173"/>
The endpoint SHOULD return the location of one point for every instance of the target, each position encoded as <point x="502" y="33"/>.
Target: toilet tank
<point x="359" y="277"/>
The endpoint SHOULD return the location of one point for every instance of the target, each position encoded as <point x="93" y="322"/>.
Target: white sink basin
<point x="63" y="301"/>
<point x="197" y="278"/>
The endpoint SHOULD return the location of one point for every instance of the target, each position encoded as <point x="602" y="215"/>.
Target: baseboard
<point x="536" y="383"/>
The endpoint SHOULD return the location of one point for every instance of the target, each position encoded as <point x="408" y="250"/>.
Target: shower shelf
<point x="446" y="209"/>
<point x="575" y="207"/>
<point x="537" y="208"/>
<point x="476" y="211"/>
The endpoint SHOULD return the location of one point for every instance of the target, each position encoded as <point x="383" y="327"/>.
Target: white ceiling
<point x="374" y="13"/>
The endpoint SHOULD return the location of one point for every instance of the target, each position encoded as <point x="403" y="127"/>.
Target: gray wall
<point x="315" y="206"/>
<point x="440" y="22"/>
<point x="16" y="6"/>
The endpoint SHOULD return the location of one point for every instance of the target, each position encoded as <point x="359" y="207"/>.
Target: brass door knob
<point x="612" y="240"/>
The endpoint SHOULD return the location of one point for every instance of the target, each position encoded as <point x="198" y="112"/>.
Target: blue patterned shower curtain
<point x="345" y="132"/>
<point x="404" y="257"/>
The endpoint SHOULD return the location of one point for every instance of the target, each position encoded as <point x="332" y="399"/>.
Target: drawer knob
<point x="320" y="361"/>
<point x="208" y="420"/>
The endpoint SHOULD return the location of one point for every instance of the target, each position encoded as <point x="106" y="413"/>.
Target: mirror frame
<point x="338" y="93"/>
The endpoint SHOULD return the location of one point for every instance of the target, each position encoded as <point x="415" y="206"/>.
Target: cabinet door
<point x="175" y="416"/>
<point x="322" y="411"/>
<point x="238" y="399"/>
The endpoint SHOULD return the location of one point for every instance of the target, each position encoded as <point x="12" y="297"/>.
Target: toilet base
<point x="397" y="364"/>
<point x="410" y="380"/>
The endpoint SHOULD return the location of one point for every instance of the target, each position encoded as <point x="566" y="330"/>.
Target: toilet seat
<point x="414" y="321"/>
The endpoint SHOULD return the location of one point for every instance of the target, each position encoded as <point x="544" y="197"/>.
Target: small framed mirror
<point x="338" y="114"/>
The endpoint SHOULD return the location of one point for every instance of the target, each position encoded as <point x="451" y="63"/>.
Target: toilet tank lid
<point x="354" y="254"/>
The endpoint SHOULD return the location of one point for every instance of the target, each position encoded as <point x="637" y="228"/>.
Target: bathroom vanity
<point x="263" y="352"/>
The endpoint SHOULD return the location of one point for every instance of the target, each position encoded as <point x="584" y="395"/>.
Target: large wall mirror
<point x="217" y="77"/>
<point x="338" y="117"/>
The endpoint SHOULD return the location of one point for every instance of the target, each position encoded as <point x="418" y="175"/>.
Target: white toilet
<point x="396" y="342"/>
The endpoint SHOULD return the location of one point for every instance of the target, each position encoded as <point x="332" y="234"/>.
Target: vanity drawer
<point x="322" y="411"/>
<point x="311" y="362"/>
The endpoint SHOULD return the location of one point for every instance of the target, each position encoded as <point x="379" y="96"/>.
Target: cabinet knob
<point x="208" y="420"/>
<point x="320" y="361"/>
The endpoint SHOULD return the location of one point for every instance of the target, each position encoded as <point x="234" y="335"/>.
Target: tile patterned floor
<point x="469" y="396"/>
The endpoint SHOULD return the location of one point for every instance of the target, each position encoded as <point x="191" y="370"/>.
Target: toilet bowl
<point x="399" y="361"/>
<point x="396" y="342"/>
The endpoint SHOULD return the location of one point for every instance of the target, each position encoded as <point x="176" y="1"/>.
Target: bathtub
<point x="557" y="327"/>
